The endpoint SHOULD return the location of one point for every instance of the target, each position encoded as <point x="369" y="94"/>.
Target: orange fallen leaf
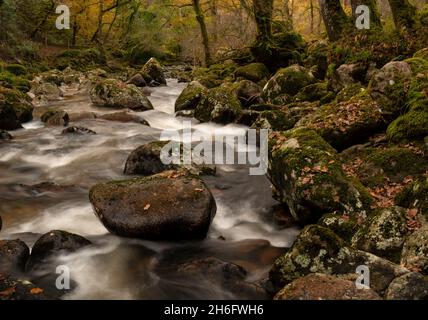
<point x="8" y="291"/>
<point x="147" y="207"/>
<point x="36" y="291"/>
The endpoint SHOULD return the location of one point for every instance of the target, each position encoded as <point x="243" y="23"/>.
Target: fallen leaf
<point x="36" y="291"/>
<point x="8" y="291"/>
<point x="147" y="207"/>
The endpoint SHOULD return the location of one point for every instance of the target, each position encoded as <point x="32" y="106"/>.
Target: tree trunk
<point x="404" y="14"/>
<point x="335" y="18"/>
<point x="374" y="12"/>
<point x="263" y="10"/>
<point x="204" y="33"/>
<point x="100" y="32"/>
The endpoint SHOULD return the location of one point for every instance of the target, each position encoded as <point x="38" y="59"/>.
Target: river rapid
<point x="44" y="182"/>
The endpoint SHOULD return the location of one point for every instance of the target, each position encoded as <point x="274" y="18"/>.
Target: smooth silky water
<point x="44" y="182"/>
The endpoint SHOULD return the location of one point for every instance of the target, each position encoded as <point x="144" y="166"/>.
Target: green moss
<point x="254" y="72"/>
<point x="418" y="65"/>
<point x="349" y="92"/>
<point x="315" y="92"/>
<point x="422" y="54"/>
<point x="343" y="226"/>
<point x="11" y="81"/>
<point x="16" y="69"/>
<point x="412" y="125"/>
<point x="19" y="102"/>
<point x="190" y="97"/>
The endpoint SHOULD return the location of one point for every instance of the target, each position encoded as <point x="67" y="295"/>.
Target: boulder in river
<point x="78" y="131"/>
<point x="190" y="96"/>
<point x="146" y="160"/>
<point x="44" y="92"/>
<point x="154" y="70"/>
<point x="318" y="286"/>
<point x="4" y="135"/>
<point x="53" y="244"/>
<point x="123" y="116"/>
<point x="173" y="205"/>
<point x="308" y="177"/>
<point x="137" y="80"/>
<point x="13" y="256"/>
<point x="111" y="93"/>
<point x="55" y="118"/>
<point x="19" y="102"/>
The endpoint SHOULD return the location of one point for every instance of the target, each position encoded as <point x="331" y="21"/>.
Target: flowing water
<point x="44" y="183"/>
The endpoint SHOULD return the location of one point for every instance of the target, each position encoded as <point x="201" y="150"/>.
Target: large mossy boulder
<point x="19" y="102"/>
<point x="44" y="92"/>
<point x="344" y="226"/>
<point x="347" y="75"/>
<point x="389" y="87"/>
<point x="308" y="177"/>
<point x="286" y="83"/>
<point x="346" y="123"/>
<point x="172" y="205"/>
<point x="319" y="250"/>
<point x="318" y="286"/>
<point x="190" y="96"/>
<point x="415" y="251"/>
<point x="315" y="92"/>
<point x="111" y="93"/>
<point x="255" y="72"/>
<point x="411" y="286"/>
<point x="220" y="106"/>
<point x="55" y="118"/>
<point x="154" y="70"/>
<point x="247" y="92"/>
<point x="383" y="233"/>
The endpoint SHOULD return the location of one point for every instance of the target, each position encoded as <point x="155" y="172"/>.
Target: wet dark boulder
<point x="173" y="205"/>
<point x="318" y="286"/>
<point x="4" y="135"/>
<point x="154" y="70"/>
<point x="216" y="276"/>
<point x="53" y="244"/>
<point x="19" y="102"/>
<point x="78" y="131"/>
<point x="55" y="118"/>
<point x="123" y="116"/>
<point x="8" y="118"/>
<point x="13" y="256"/>
<point x="137" y="80"/>
<point x="111" y="93"/>
<point x="146" y="160"/>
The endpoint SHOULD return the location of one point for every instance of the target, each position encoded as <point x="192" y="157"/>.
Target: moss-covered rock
<point x="349" y="92"/>
<point x="317" y="59"/>
<point x="255" y="72"/>
<point x="315" y="92"/>
<point x="318" y="286"/>
<point x="383" y="233"/>
<point x="347" y="75"/>
<point x="19" y="102"/>
<point x="411" y="286"/>
<point x="246" y="91"/>
<point x="308" y="175"/>
<point x="423" y="54"/>
<point x="9" y="80"/>
<point x="343" y="225"/>
<point x="417" y="65"/>
<point x="154" y="70"/>
<point x="78" y="59"/>
<point x="411" y="126"/>
<point x="346" y="123"/>
<point x="111" y="93"/>
<point x="415" y="251"/>
<point x="218" y="105"/>
<point x="55" y="118"/>
<point x="190" y="96"/>
<point x="320" y="250"/>
<point x="415" y="196"/>
<point x="44" y="92"/>
<point x="286" y="83"/>
<point x="389" y="87"/>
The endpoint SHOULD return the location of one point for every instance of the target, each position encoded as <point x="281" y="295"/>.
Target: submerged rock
<point x="172" y="205"/>
<point x="123" y="116"/>
<point x="53" y="244"/>
<point x="308" y="177"/>
<point x="319" y="286"/>
<point x="13" y="256"/>
<point x="111" y="93"/>
<point x="4" y="135"/>
<point x="78" y="130"/>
